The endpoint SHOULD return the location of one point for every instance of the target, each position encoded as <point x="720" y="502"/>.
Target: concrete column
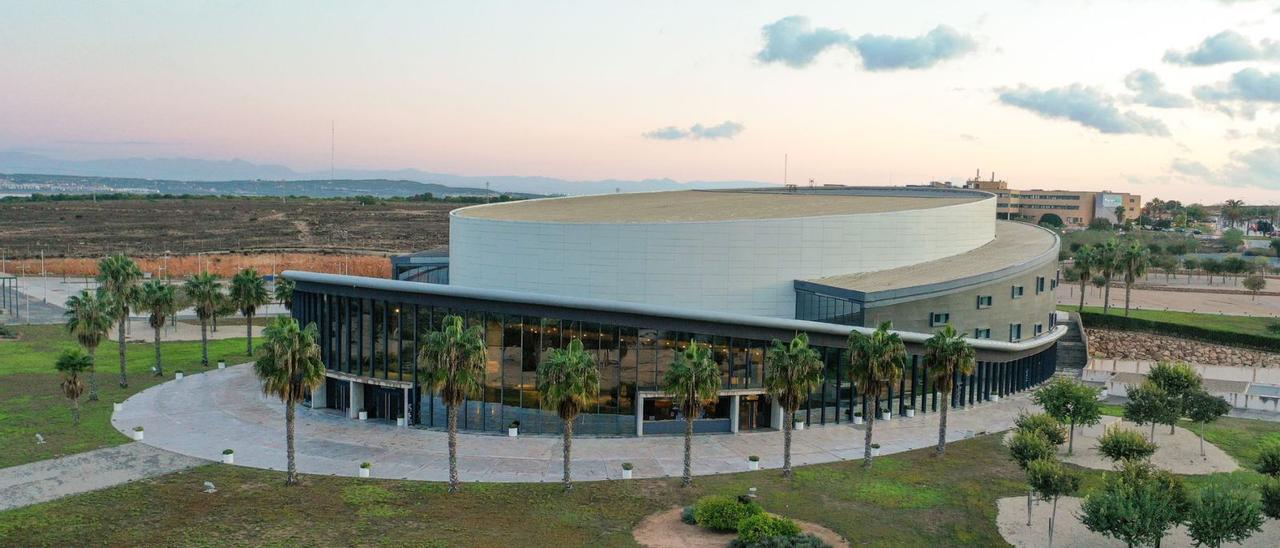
<point x="357" y="399"/>
<point x="733" y="414"/>
<point x="775" y="415"/>
<point x="406" y="409"/>
<point x="319" y="397"/>
<point x="639" y="414"/>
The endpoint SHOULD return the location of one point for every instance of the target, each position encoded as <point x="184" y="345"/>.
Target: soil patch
<point x="1069" y="532"/>
<point x="665" y="530"/>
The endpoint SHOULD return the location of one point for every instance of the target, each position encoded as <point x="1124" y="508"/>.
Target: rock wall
<point x="1134" y="345"/>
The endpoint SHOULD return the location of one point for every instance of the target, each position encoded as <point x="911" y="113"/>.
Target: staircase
<point x="1072" y="352"/>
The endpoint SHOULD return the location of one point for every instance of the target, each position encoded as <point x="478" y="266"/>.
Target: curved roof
<point x="722" y="205"/>
<point x="1016" y="247"/>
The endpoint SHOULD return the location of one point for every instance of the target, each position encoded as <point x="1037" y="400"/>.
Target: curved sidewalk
<point x="203" y="414"/>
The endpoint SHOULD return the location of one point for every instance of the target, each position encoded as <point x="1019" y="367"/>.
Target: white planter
<point x="177" y="376"/>
<point x="229" y="459"/>
<point x="753" y="465"/>
<point x="799" y="425"/>
<point x="875" y="451"/>
<point x="993" y="397"/>
<point x="137" y="435"/>
<point x="626" y="474"/>
<point x="399" y="421"/>
<point x="513" y="432"/>
<point x="364" y="415"/>
<point x="222" y="365"/>
<point x="911" y="413"/>
<point x="364" y="472"/>
<point x="117" y="406"/>
<point x="886" y="416"/>
<point x="857" y="420"/>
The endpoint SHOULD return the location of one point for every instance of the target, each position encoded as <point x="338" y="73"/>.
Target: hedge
<point x="1204" y="334"/>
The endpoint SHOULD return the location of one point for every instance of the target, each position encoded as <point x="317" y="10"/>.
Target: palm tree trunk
<point x="124" y="318"/>
<point x="292" y="478"/>
<point x="787" y="427"/>
<point x="204" y="342"/>
<point x="1127" y="288"/>
<point x="866" y="442"/>
<point x="159" y="368"/>
<point x="248" y="331"/>
<point x="452" y="413"/>
<point x="568" y="447"/>
<point x="688" y="450"/>
<point x="75" y="411"/>
<point x="1106" y="297"/>
<point x="93" y="374"/>
<point x="1083" y="288"/>
<point x="942" y="427"/>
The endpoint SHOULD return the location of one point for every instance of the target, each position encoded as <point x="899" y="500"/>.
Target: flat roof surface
<point x="719" y="205"/>
<point x="1014" y="244"/>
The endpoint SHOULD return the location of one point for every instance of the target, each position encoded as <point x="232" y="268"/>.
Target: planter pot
<point x="513" y="432"/>
<point x="228" y="459"/>
<point x="993" y="397"/>
<point x="911" y="413"/>
<point x="364" y="472"/>
<point x="364" y="415"/>
<point x="177" y="376"/>
<point x="753" y="465"/>
<point x="400" y="421"/>
<point x="117" y="406"/>
<point x="137" y="436"/>
<point x="626" y="474"/>
<point x="799" y="425"/>
<point x="857" y="420"/>
<point x="875" y="451"/>
<point x="222" y="365"/>
<point x="886" y="416"/>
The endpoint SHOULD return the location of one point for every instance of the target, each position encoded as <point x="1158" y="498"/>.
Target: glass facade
<point x="376" y="337"/>
<point x="826" y="308"/>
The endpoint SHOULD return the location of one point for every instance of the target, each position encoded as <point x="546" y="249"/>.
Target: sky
<point x="1176" y="99"/>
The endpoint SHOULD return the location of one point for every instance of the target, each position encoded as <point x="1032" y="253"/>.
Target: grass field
<point x="31" y="401"/>
<point x="1252" y="325"/>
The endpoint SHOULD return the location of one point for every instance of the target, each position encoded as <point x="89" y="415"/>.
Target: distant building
<point x="1072" y="207"/>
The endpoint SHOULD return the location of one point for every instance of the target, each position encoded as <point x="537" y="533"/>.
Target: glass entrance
<point x="383" y="403"/>
<point x="753" y="412"/>
<point x="337" y="394"/>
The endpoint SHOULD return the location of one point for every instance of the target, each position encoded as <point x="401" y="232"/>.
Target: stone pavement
<point x="203" y="414"/>
<point x="51" y="479"/>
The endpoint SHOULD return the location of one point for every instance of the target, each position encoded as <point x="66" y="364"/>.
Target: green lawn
<point x="31" y="401"/>
<point x="1252" y="325"/>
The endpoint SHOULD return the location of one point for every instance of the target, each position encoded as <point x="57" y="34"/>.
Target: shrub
<point x="626" y="466"/>
<point x="6" y="332"/>
<point x="875" y="446"/>
<point x="366" y="465"/>
<point x="1123" y="445"/>
<point x="795" y="541"/>
<point x="1269" y="460"/>
<point x="1044" y="423"/>
<point x="762" y="526"/>
<point x="686" y="515"/>
<point x="754" y="458"/>
<point x="1204" y="334"/>
<point x="1271" y="498"/>
<point x="137" y="429"/>
<point x="515" y="424"/>
<point x="723" y="513"/>
<point x="228" y="452"/>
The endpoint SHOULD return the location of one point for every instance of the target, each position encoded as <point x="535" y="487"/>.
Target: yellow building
<point x="1072" y="207"/>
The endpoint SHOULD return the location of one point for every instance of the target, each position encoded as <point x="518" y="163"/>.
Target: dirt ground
<point x="1210" y="303"/>
<point x="149" y="228"/>
<point x="1178" y="453"/>
<point x="665" y="530"/>
<point x="1069" y="532"/>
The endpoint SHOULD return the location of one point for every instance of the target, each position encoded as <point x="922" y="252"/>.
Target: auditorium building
<point x="638" y="276"/>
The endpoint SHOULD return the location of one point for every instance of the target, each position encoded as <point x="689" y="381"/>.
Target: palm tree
<point x="568" y="381"/>
<point x="876" y="361"/>
<point x="1107" y="262"/>
<point x="290" y="367"/>
<point x="89" y="317"/>
<point x="206" y="296"/>
<point x="72" y="363"/>
<point x="119" y="277"/>
<point x="1085" y="267"/>
<point x="454" y="358"/>
<point x="161" y="301"/>
<point x="692" y="380"/>
<point x="248" y="292"/>
<point x="946" y="356"/>
<point x="284" y="292"/>
<point x="1134" y="260"/>
<point x="794" y="370"/>
<point x="1233" y="211"/>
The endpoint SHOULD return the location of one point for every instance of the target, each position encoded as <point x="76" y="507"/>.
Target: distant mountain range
<point x="246" y="174"/>
<point x="85" y="184"/>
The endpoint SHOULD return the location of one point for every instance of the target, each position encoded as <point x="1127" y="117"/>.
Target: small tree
<point x="1121" y="445"/>
<point x="1050" y="479"/>
<point x="248" y="292"/>
<point x="569" y="382"/>
<point x="794" y="371"/>
<point x="1255" y="283"/>
<point x="1043" y="423"/>
<point x="72" y="364"/>
<point x="1136" y="506"/>
<point x="1203" y="408"/>
<point x="1221" y="515"/>
<point x="947" y="356"/>
<point x="876" y="361"/>
<point x="1150" y="404"/>
<point x="1179" y="381"/>
<point x="692" y="380"/>
<point x="1071" y="402"/>
<point x="454" y="368"/>
<point x="1025" y="447"/>
<point x="1269" y="460"/>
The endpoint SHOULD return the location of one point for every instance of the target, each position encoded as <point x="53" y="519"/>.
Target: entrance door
<point x="383" y="403"/>
<point x="337" y="394"/>
<point x="753" y="412"/>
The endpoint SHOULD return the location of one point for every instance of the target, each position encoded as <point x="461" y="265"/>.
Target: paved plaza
<point x="201" y="415"/>
<point x="53" y="479"/>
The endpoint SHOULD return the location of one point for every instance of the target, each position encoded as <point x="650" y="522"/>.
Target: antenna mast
<point x="331" y="147"/>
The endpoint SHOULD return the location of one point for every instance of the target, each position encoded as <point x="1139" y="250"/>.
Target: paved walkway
<point x="51" y="479"/>
<point x="224" y="409"/>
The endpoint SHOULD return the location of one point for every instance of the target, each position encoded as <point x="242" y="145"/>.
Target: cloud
<point x="1269" y="134"/>
<point x="1225" y="47"/>
<point x="1084" y="105"/>
<point x="1150" y="91"/>
<point x="1257" y="168"/>
<point x="723" y="130"/>
<point x="1248" y="85"/>
<point x="794" y="41"/>
<point x="882" y="52"/>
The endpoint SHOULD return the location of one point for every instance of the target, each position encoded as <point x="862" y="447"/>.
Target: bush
<point x="762" y="526"/>
<point x="626" y="466"/>
<point x="228" y="452"/>
<point x="723" y="513"/>
<point x="686" y="515"/>
<point x="1269" y="460"/>
<point x="6" y="332"/>
<point x="366" y="465"/>
<point x="794" y="541"/>
<point x="1204" y="334"/>
<point x="1043" y="423"/>
<point x="1123" y="445"/>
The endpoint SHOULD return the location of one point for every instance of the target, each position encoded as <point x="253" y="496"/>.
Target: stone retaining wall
<point x="1136" y="345"/>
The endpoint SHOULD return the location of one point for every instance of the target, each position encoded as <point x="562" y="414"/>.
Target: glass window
<point x="984" y="301"/>
<point x="1017" y="291"/>
<point x="982" y="333"/>
<point x="628" y="351"/>
<point x="1039" y="328"/>
<point x="939" y="318"/>
<point x="1015" y="332"/>
<point x="1039" y="285"/>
